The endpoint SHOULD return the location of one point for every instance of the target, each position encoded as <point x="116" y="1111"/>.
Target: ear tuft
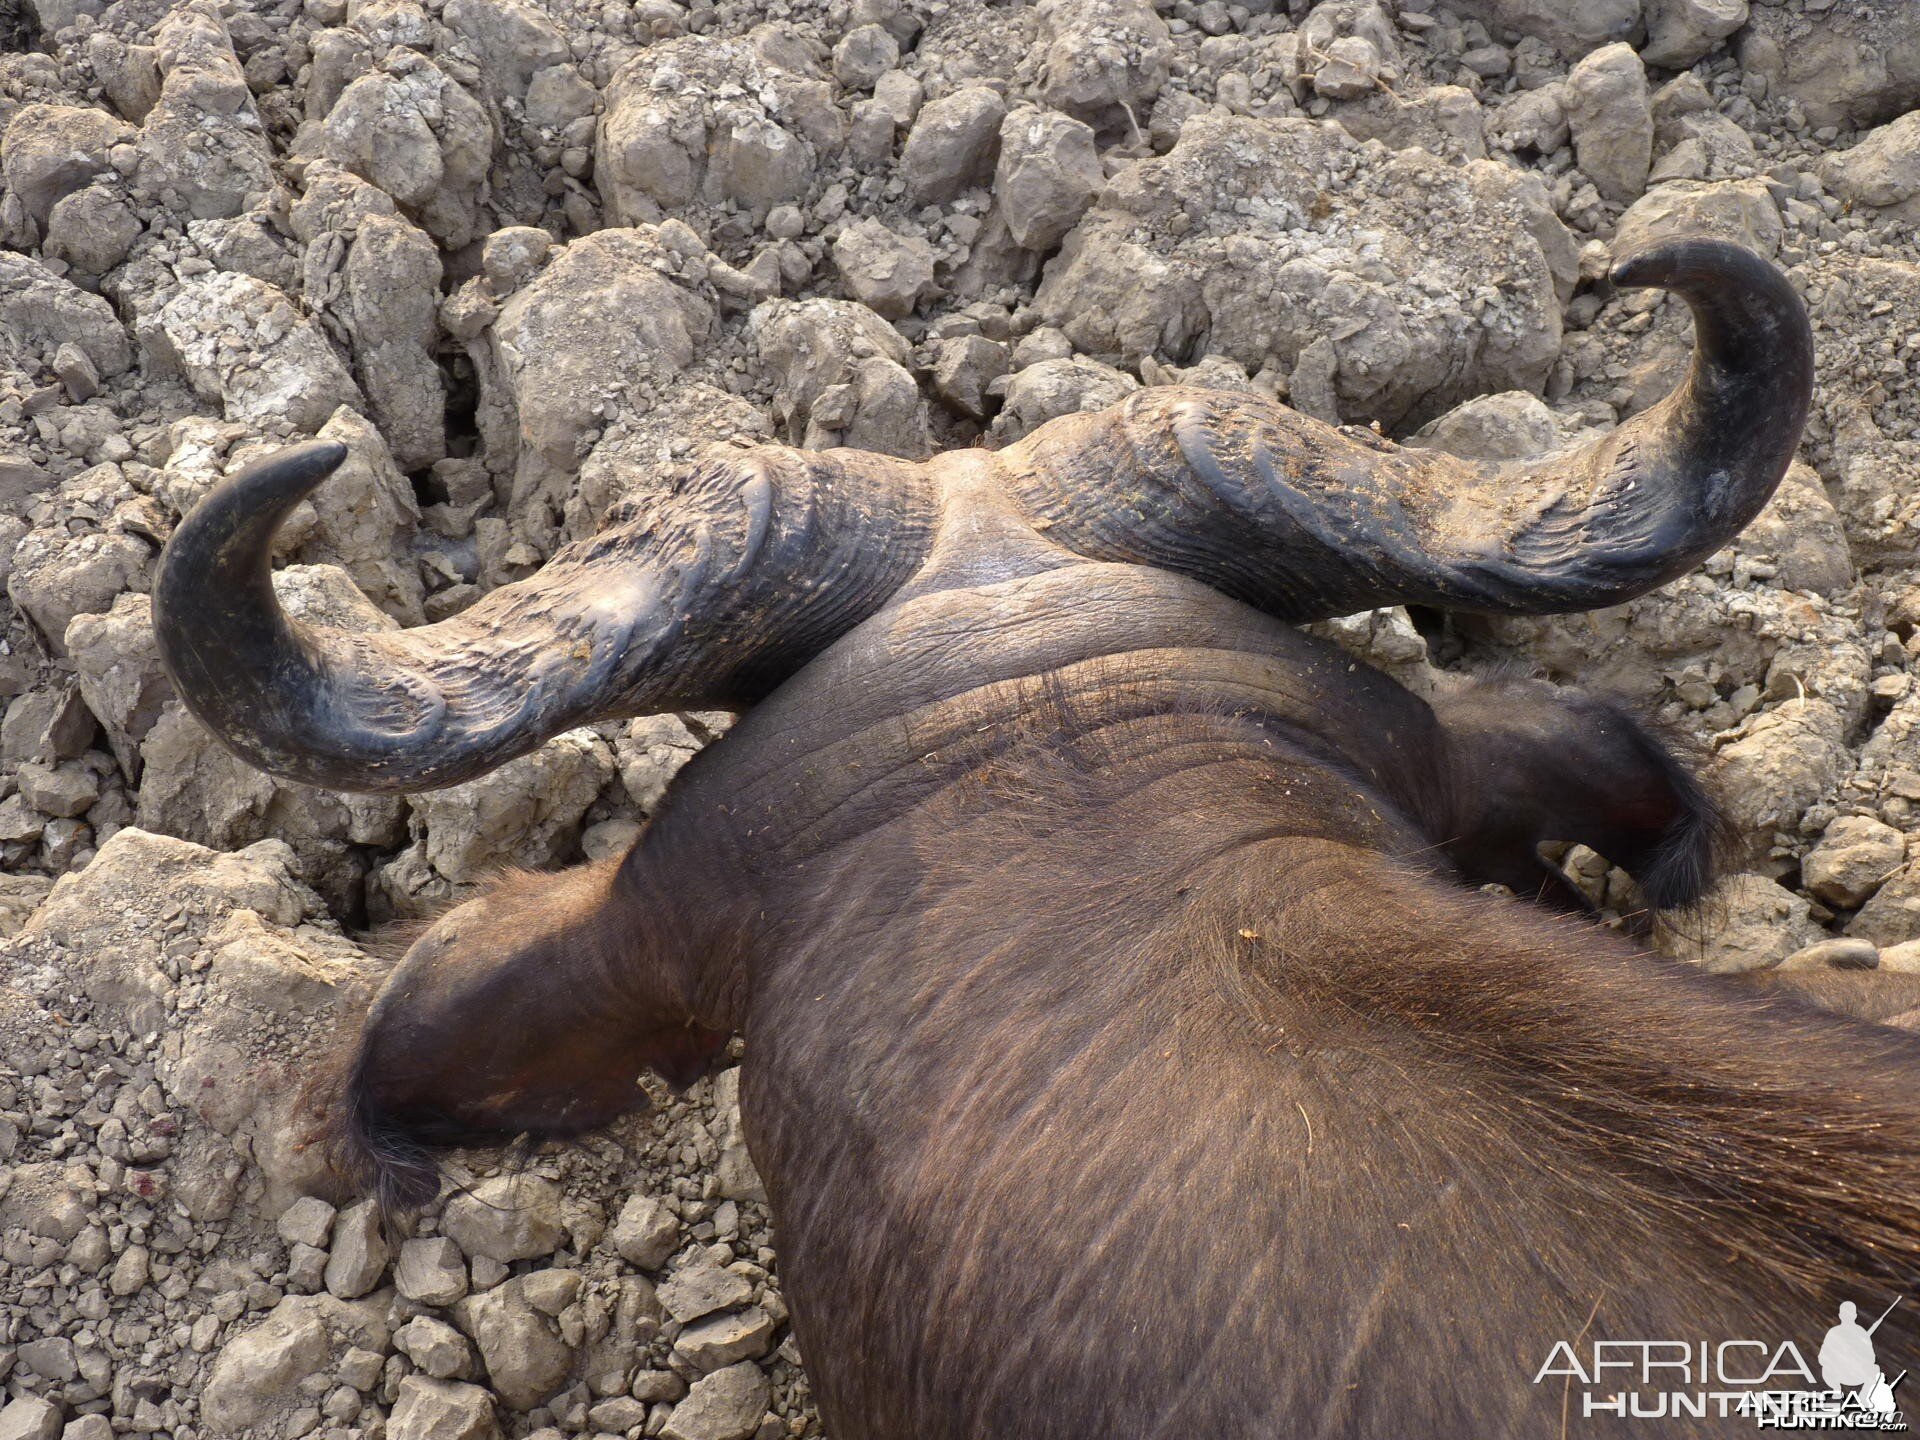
<point x="1695" y="844"/>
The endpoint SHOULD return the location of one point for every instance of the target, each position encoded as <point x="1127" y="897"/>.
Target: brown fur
<point x="1125" y="1061"/>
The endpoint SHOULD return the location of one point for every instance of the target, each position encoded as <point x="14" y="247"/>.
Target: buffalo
<point x="1134" y="1045"/>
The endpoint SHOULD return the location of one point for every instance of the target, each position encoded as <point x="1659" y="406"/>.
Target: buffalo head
<point x="1051" y="861"/>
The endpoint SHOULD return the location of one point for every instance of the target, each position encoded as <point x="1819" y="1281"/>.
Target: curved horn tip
<point x="296" y="467"/>
<point x="1697" y="258"/>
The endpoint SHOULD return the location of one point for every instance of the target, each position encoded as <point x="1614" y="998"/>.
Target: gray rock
<point x="19" y="821"/>
<point x="361" y="1369"/>
<point x="1100" y="59"/>
<point x="107" y="910"/>
<point x="1892" y="916"/>
<point x="202" y="148"/>
<point x="863" y="55"/>
<point x="428" y="1409"/>
<point x="1572" y="27"/>
<point x="1048" y="174"/>
<point x="1802" y="536"/>
<point x="58" y="575"/>
<point x="129" y="74"/>
<point x="20" y="896"/>
<point x="610" y="839"/>
<point x="1739" y="210"/>
<point x="870" y="134"/>
<point x="378" y="277"/>
<point x="48" y="1200"/>
<point x="358" y="1257"/>
<point x="65" y="790"/>
<point x="1694" y="140"/>
<point x="721" y="1340"/>
<point x="527" y="813"/>
<point x="1509" y="426"/>
<point x="526" y="1358"/>
<point x="1783" y="761"/>
<point x="51" y="151"/>
<point x="1053" y="388"/>
<point x="52" y="1358"/>
<point x="39" y="312"/>
<point x="1445" y="120"/>
<point x="646" y="1233"/>
<point x="700" y="119"/>
<point x="841" y="379"/>
<point x="52" y="724"/>
<point x="701" y="1287"/>
<point x="1611" y="118"/>
<point x="308" y="1221"/>
<point x="1854" y="857"/>
<point x="964" y="368"/>
<point x="436" y="1347"/>
<point x="550" y="1291"/>
<point x="1150" y="269"/>
<point x="76" y="373"/>
<point x="365" y="517"/>
<point x="416" y="133"/>
<point x="726" y="1405"/>
<point x="559" y="95"/>
<point x="30" y="1418"/>
<point x="131" y="1271"/>
<point x="656" y="1385"/>
<point x="953" y="144"/>
<point x="611" y="312"/>
<point x="118" y="666"/>
<point x="1748" y="922"/>
<point x="900" y="96"/>
<point x="514" y="39"/>
<point x="885" y="271"/>
<point x="1534" y="120"/>
<point x="733" y="1168"/>
<point x="1350" y="68"/>
<point x="251" y="244"/>
<point x="634" y="1319"/>
<point x="260" y="1369"/>
<point x="1834" y="955"/>
<point x="244" y="343"/>
<point x="617" y="1414"/>
<point x="1844" y="64"/>
<point x="306" y="1267"/>
<point x="21" y="478"/>
<point x="1348" y="50"/>
<point x="431" y="1270"/>
<point x="506" y="1218"/>
<point x="1679" y="32"/>
<point x="1882" y="170"/>
<point x="1901" y="959"/>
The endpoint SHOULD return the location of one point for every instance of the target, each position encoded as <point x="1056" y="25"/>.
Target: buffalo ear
<point x="1538" y="762"/>
<point x="1694" y="837"/>
<point x="682" y="1054"/>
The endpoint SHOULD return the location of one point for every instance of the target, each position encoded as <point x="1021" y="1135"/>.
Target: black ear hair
<point x="1536" y="762"/>
<point x="1696" y="841"/>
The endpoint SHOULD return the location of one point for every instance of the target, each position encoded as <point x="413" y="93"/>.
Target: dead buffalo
<point x="1128" y="1051"/>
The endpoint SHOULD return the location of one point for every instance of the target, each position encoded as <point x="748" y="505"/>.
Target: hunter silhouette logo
<point x="1768" y="1381"/>
<point x="1847" y="1361"/>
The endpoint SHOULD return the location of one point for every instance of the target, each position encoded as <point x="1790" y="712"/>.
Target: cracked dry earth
<point x="525" y="257"/>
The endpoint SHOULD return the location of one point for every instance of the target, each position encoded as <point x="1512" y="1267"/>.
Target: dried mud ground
<point x="524" y="257"/>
